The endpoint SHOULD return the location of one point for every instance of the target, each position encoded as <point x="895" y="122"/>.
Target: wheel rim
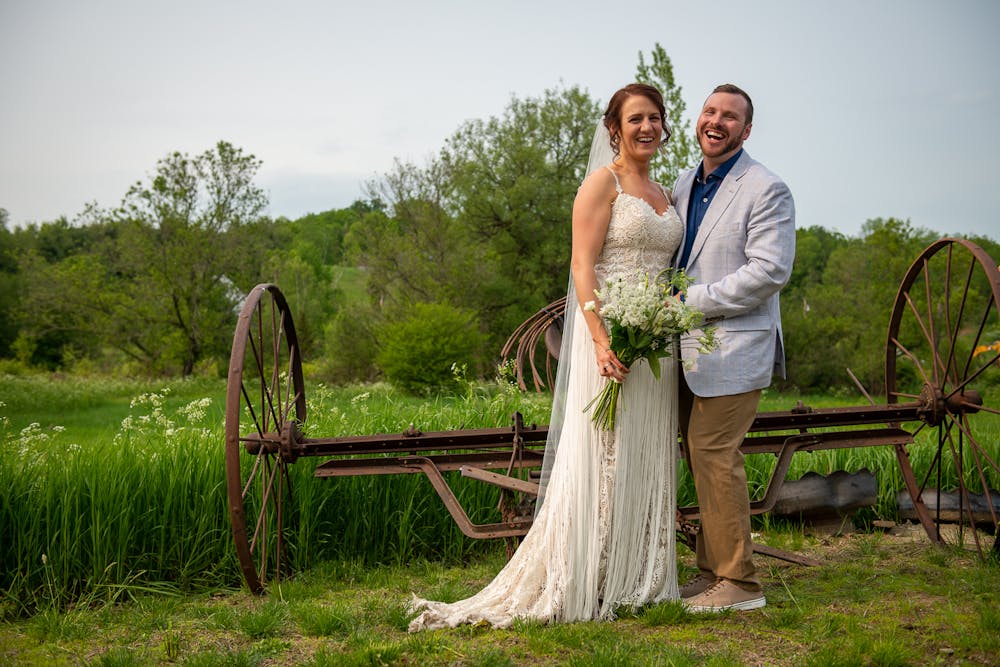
<point x="942" y="353"/>
<point x="265" y="402"/>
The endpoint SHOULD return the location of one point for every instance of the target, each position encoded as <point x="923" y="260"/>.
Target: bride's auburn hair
<point x="612" y="115"/>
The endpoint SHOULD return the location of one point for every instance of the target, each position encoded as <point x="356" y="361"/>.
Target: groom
<point x="739" y="244"/>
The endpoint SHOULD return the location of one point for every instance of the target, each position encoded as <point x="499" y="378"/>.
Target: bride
<point x="603" y="534"/>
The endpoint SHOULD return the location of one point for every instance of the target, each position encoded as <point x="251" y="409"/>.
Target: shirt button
<point x="705" y="200"/>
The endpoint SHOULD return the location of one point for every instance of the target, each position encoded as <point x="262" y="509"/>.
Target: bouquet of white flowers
<point x="644" y="317"/>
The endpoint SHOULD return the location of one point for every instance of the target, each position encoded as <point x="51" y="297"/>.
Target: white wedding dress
<point x="604" y="534"/>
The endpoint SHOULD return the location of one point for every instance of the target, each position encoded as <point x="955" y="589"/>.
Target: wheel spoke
<point x="916" y="362"/>
<point x="936" y="360"/>
<point x="929" y="329"/>
<point x="947" y="304"/>
<point x="266" y="486"/>
<point x="986" y="311"/>
<point x="290" y="394"/>
<point x="964" y="502"/>
<point x="267" y="408"/>
<point x="978" y="448"/>
<point x="935" y="466"/>
<point x="987" y="491"/>
<point x="252" y="475"/>
<point x="951" y="371"/>
<point x="275" y="383"/>
<point x="257" y="346"/>
<point x="964" y="383"/>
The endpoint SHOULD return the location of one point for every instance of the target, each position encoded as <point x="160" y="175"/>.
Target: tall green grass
<point x="93" y="509"/>
<point x="93" y="519"/>
<point x="142" y="504"/>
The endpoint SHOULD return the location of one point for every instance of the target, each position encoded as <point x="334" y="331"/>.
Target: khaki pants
<point x="713" y="429"/>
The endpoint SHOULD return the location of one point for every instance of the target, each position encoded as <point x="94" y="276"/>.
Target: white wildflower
<point x="196" y="410"/>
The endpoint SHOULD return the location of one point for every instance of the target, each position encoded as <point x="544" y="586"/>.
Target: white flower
<point x="195" y="410"/>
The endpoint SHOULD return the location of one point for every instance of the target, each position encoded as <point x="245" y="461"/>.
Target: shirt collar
<point x="721" y="171"/>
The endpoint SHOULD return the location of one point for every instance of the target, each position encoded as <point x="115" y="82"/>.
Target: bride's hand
<point x="609" y="365"/>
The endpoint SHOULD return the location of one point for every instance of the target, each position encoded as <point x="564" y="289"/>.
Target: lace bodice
<point x="638" y="238"/>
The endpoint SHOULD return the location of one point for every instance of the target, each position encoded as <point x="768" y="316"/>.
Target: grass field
<point x="112" y="502"/>
<point x="877" y="599"/>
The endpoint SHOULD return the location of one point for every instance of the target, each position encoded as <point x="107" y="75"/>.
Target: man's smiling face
<point x="722" y="126"/>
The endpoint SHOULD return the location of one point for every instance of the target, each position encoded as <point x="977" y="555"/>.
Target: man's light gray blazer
<point x="741" y="257"/>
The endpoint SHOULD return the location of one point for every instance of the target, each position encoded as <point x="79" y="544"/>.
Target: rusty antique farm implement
<point x="942" y="378"/>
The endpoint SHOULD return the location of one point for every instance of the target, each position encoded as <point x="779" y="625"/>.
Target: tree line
<point x="421" y="281"/>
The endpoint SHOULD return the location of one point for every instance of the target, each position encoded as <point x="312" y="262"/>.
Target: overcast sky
<point x="867" y="108"/>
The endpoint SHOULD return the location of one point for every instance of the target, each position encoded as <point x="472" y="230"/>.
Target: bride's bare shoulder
<point x="598" y="185"/>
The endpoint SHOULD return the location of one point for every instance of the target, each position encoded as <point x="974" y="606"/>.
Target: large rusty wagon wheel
<point x="265" y="401"/>
<point x="942" y="351"/>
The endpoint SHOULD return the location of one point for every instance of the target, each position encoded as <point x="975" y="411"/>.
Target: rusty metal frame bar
<point x="520" y="447"/>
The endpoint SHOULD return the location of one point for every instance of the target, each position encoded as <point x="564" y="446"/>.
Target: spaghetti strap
<point x="666" y="193"/>
<point x="618" y="185"/>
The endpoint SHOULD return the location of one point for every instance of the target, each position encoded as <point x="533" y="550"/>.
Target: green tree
<point x="70" y="311"/>
<point x="808" y="364"/>
<point x="416" y="249"/>
<point x="813" y="248"/>
<point x="306" y="259"/>
<point x="515" y="177"/>
<point x="319" y="238"/>
<point x="159" y="278"/>
<point x="178" y="255"/>
<point x="840" y="322"/>
<point x="8" y="286"/>
<point x="62" y="272"/>
<point x="485" y="225"/>
<point x="681" y="152"/>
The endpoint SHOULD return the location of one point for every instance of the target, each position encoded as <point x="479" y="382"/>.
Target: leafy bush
<point x="428" y="349"/>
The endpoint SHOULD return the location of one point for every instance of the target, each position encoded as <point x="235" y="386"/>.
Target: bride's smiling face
<point x="641" y="128"/>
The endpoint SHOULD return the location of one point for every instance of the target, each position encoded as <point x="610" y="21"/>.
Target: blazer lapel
<point x="720" y="202"/>
<point x="682" y="194"/>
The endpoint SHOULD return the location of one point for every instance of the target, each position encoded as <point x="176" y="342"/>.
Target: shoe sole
<point x="746" y="605"/>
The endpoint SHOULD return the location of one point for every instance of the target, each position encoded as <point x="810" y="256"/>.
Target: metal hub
<point x="290" y="438"/>
<point x="934" y="405"/>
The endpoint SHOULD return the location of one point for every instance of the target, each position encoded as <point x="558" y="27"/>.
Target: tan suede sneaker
<point x="724" y="595"/>
<point x="701" y="583"/>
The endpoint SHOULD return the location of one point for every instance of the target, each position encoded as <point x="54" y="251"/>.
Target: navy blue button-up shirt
<point x="702" y="192"/>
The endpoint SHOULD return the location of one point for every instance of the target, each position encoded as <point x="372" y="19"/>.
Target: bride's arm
<point x="591" y="216"/>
